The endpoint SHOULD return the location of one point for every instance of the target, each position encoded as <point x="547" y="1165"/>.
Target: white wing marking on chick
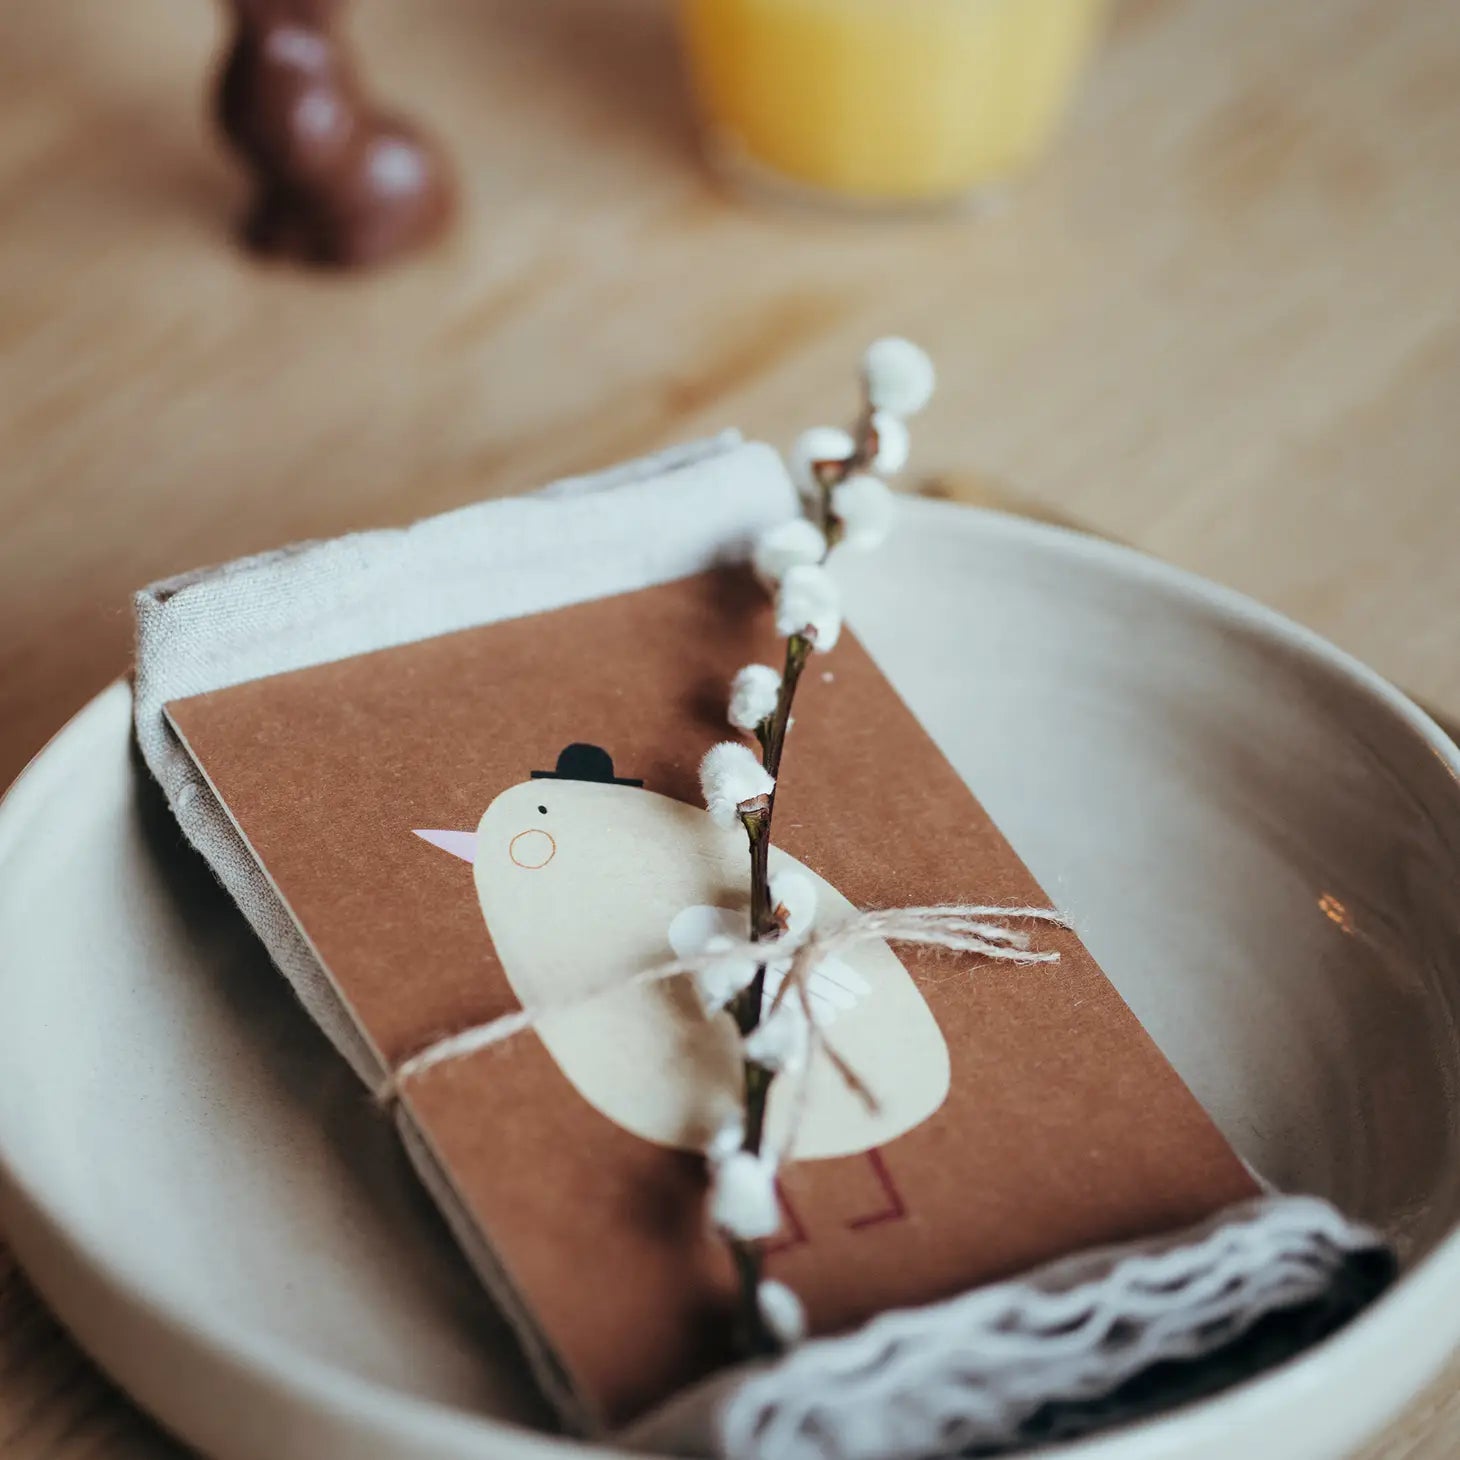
<point x="834" y="987"/>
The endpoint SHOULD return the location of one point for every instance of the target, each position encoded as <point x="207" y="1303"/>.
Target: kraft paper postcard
<point x="509" y="815"/>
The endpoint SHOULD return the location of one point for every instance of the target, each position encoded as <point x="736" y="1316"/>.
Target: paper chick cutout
<point x="580" y="875"/>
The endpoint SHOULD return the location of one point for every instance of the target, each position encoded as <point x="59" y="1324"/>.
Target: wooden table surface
<point x="1222" y="324"/>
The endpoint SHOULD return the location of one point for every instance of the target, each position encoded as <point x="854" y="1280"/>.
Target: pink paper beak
<point x="461" y="844"/>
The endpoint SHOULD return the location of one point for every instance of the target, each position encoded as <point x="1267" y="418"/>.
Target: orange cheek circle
<point x="532" y="849"/>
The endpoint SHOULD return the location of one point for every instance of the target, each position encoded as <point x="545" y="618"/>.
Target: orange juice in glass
<point x="884" y="102"/>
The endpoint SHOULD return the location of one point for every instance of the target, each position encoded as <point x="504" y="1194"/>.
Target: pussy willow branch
<point x="831" y="474"/>
<point x="798" y="651"/>
<point x="745" y="1009"/>
<point x="763" y="924"/>
<point x="748" y="1006"/>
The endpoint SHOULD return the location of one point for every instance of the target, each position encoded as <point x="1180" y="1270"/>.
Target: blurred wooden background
<point x="1222" y="324"/>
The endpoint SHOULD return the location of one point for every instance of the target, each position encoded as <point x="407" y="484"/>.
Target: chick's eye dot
<point x="543" y="809"/>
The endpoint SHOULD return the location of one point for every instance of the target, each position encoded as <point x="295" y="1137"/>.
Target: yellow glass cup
<point x="884" y="102"/>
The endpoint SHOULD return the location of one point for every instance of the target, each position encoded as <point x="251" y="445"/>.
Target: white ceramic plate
<point x="1258" y="838"/>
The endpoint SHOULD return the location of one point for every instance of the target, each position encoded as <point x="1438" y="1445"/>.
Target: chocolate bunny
<point x="338" y="182"/>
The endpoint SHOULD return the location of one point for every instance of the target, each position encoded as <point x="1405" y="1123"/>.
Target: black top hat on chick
<point x="580" y="762"/>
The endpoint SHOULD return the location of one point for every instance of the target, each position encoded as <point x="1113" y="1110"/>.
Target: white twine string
<point x="963" y="928"/>
<point x="496" y="1031"/>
